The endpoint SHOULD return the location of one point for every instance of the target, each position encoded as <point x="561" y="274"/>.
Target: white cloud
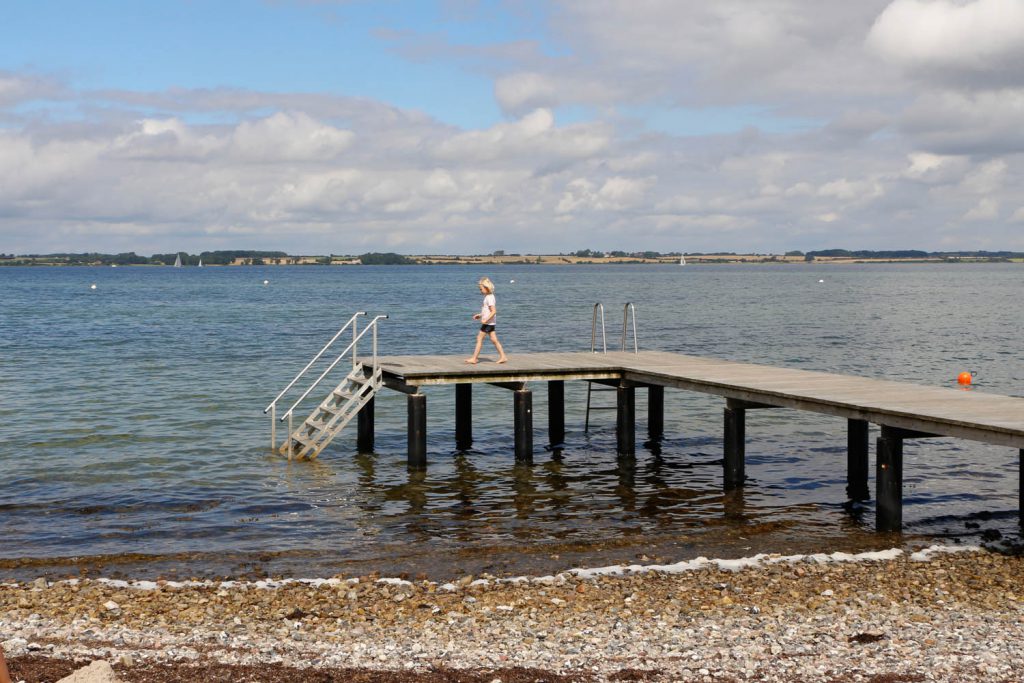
<point x="976" y="43"/>
<point x="847" y="190"/>
<point x="952" y="122"/>
<point x="532" y="138"/>
<point x="289" y="137"/>
<point x="891" y="143"/>
<point x="986" y="178"/>
<point x="986" y="209"/>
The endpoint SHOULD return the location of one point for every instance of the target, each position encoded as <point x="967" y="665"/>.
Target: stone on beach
<point x="922" y="616"/>
<point x="97" y="672"/>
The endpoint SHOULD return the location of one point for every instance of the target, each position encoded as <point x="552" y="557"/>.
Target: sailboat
<point x="682" y="260"/>
<point x="200" y="263"/>
<point x="177" y="261"/>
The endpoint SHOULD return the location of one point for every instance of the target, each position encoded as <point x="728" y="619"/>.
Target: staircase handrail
<point x="371" y="326"/>
<point x="315" y="359"/>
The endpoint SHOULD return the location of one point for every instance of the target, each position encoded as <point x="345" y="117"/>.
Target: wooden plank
<point x="972" y="415"/>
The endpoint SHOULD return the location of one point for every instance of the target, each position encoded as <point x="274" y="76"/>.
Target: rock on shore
<point x="927" y="616"/>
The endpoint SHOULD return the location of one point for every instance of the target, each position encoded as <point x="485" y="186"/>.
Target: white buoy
<point x="93" y="286"/>
<point x="266" y="282"/>
<point x="511" y="282"/>
<point x="820" y="280"/>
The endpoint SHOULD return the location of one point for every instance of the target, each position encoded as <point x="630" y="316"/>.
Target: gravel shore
<point x="893" y="616"/>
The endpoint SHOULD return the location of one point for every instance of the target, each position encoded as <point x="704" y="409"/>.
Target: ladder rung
<point x="303" y="439"/>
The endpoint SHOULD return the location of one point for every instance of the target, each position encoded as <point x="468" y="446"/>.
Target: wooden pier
<point x="902" y="410"/>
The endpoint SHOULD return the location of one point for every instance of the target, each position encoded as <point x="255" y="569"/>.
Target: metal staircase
<point x="627" y="310"/>
<point x="339" y="407"/>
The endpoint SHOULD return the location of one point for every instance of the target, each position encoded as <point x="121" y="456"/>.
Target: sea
<point x="133" y="440"/>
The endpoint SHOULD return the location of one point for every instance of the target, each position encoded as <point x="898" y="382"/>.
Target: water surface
<point x="132" y="430"/>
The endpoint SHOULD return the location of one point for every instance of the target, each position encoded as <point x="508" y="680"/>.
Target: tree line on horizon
<point x="255" y="257"/>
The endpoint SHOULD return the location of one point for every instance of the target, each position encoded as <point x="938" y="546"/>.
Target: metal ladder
<point x="628" y="313"/>
<point x="339" y="407"/>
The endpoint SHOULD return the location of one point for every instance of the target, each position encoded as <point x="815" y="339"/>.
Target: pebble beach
<point x="937" y="614"/>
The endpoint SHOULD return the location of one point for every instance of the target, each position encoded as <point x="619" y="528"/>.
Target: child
<point x="488" y="317"/>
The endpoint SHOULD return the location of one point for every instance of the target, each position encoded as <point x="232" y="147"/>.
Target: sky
<point x="464" y="127"/>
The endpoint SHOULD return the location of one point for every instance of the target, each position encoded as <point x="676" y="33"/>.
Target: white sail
<point x="682" y="260"/>
<point x="200" y="263"/>
<point x="177" y="261"/>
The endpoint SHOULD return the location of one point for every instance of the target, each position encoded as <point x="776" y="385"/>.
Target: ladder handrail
<point x="315" y="359"/>
<point x="599" y="307"/>
<point x="629" y="307"/>
<point x="593" y="330"/>
<point x="371" y="326"/>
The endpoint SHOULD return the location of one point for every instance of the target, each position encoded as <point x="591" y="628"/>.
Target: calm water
<point x="132" y="433"/>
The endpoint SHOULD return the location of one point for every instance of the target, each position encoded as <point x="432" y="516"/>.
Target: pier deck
<point x="973" y="415"/>
<point x="902" y="410"/>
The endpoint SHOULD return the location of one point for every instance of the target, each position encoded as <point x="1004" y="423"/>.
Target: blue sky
<point x="464" y="126"/>
<point x="341" y="48"/>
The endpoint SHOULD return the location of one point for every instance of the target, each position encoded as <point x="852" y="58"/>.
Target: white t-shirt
<point x="485" y="310"/>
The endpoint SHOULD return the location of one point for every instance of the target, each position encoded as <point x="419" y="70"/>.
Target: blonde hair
<point x="486" y="283"/>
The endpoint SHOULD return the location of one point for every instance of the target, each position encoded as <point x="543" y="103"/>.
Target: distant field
<point x="544" y="259"/>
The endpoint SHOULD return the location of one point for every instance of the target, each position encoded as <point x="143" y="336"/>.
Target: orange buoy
<point x="964" y="378"/>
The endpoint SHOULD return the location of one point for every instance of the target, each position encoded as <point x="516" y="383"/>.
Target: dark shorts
<point x="487" y="329"/>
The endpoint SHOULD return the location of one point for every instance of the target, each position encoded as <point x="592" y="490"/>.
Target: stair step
<point x="303" y="439"/>
<point x="341" y="393"/>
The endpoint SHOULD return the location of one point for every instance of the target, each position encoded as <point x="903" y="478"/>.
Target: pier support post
<point x="889" y="480"/>
<point x="1020" y="489"/>
<point x="857" y="446"/>
<point x="417" y="405"/>
<point x="625" y="423"/>
<point x="463" y="416"/>
<point x="364" y="433"/>
<point x="523" y="409"/>
<point x="655" y="412"/>
<point x="556" y="414"/>
<point x="735" y="446"/>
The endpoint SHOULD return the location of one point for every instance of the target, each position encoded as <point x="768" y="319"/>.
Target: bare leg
<point x="476" y="352"/>
<point x="502" y="358"/>
<point x="5" y="675"/>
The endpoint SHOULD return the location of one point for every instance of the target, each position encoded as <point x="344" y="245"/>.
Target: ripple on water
<point x="136" y="435"/>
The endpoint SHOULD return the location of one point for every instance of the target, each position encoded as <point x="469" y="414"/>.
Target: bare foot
<point x="503" y="359"/>
<point x="472" y="361"/>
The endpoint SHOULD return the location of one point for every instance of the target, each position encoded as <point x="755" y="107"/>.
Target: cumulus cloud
<point x="521" y="92"/>
<point x="689" y="52"/>
<point x="957" y="122"/>
<point x="613" y="194"/>
<point x="289" y="137"/>
<point x="916" y="140"/>
<point x="973" y="44"/>
<point x="531" y="138"/>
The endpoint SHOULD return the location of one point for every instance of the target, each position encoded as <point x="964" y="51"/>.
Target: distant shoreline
<point x="527" y="259"/>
